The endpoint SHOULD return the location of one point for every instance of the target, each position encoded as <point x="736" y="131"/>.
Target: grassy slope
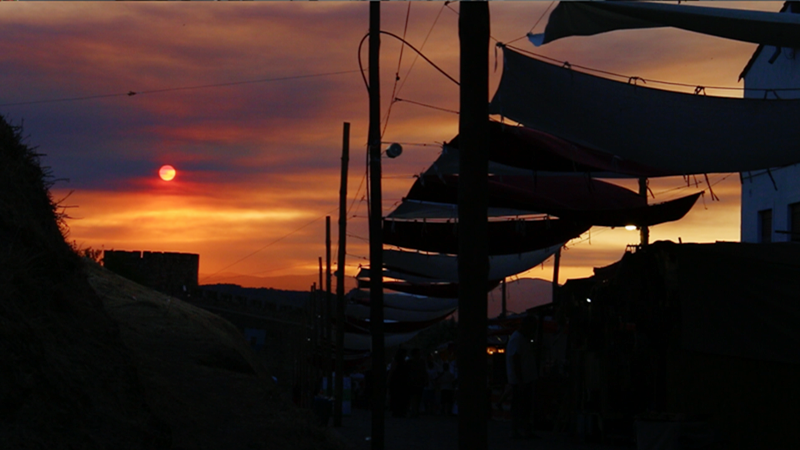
<point x="112" y="365"/>
<point x="199" y="374"/>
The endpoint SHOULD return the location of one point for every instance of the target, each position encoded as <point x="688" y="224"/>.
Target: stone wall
<point x="171" y="273"/>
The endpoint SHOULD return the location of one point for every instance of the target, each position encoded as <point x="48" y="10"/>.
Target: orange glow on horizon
<point x="260" y="161"/>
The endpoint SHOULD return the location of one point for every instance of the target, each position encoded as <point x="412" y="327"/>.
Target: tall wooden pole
<point x="556" y="267"/>
<point x="324" y="321"/>
<point x="339" y="392"/>
<point x="328" y="305"/>
<point x="644" y="231"/>
<point x="314" y="341"/>
<point x="375" y="232"/>
<point x="473" y="259"/>
<point x="504" y="310"/>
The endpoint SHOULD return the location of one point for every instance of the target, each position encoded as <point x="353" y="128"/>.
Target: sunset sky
<point x="257" y="150"/>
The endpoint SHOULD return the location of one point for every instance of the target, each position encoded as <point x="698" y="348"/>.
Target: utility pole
<point x="314" y="342"/>
<point x="644" y="230"/>
<point x="556" y="266"/>
<point x="339" y="391"/>
<point x="504" y="311"/>
<point x="325" y="320"/>
<point x="328" y="305"/>
<point x="473" y="255"/>
<point x="375" y="231"/>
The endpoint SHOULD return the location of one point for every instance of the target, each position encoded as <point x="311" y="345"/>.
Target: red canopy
<point x="582" y="199"/>
<point x="504" y="237"/>
<point x="527" y="148"/>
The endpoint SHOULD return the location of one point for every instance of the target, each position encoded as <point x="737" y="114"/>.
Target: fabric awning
<point x="589" y="18"/>
<point x="363" y="340"/>
<point x="586" y="200"/>
<point x="678" y="133"/>
<point x="428" y="289"/>
<point x="445" y="267"/>
<point x="406" y="301"/>
<point x="536" y="151"/>
<point x="504" y="237"/>
<point x="418" y="209"/>
<point x="362" y="312"/>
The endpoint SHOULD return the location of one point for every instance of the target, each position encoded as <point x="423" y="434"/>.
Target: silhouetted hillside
<point x="294" y="299"/>
<point x="90" y="360"/>
<point x="521" y="294"/>
<point x="66" y="379"/>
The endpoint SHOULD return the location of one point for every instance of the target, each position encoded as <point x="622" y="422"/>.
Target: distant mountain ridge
<point x="276" y="296"/>
<point x="522" y="294"/>
<point x="288" y="282"/>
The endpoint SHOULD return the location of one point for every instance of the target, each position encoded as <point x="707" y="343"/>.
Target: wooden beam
<point x="339" y="390"/>
<point x="375" y="234"/>
<point x="473" y="258"/>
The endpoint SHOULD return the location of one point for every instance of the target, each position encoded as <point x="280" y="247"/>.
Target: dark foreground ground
<point x="441" y="433"/>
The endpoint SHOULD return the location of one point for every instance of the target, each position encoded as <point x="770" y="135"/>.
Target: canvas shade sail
<point x="405" y="301"/>
<point x="428" y="289"/>
<point x="445" y="267"/>
<point x="363" y="341"/>
<point x="678" y="133"/>
<point x="362" y="312"/>
<point x="516" y="147"/>
<point x="364" y="274"/>
<point x="355" y="325"/>
<point x="589" y="18"/>
<point x="418" y="209"/>
<point x="504" y="237"/>
<point x="585" y="200"/>
<point x="438" y="290"/>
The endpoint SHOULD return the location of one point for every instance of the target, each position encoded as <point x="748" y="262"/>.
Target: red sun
<point x="167" y="172"/>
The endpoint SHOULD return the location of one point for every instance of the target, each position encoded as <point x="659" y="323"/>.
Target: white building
<point x="771" y="198"/>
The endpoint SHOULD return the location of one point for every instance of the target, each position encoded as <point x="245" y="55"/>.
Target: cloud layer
<point x="258" y="163"/>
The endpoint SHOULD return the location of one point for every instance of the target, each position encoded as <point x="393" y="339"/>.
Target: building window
<point x="765" y="226"/>
<point x="794" y="222"/>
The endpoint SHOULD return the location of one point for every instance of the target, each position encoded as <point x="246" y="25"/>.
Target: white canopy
<point x="589" y="18"/>
<point x="418" y="209"/>
<point x="362" y="312"/>
<point x="679" y="133"/>
<point x="445" y="267"/>
<point x="358" y="341"/>
<point x="408" y="301"/>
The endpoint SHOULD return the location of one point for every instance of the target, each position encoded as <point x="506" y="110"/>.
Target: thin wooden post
<point x="504" y="310"/>
<point x="473" y="259"/>
<point x="325" y="322"/>
<point x="315" y="344"/>
<point x="556" y="267"/>
<point x="375" y="231"/>
<point x="644" y="230"/>
<point x="328" y="306"/>
<point x="311" y="363"/>
<point x="339" y="391"/>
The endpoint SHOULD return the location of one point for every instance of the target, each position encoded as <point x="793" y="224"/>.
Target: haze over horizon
<point x="247" y="102"/>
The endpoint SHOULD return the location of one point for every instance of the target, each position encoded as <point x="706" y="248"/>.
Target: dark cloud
<point x="262" y="159"/>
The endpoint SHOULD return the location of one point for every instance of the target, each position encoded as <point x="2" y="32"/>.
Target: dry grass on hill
<point x="199" y="374"/>
<point x="91" y="361"/>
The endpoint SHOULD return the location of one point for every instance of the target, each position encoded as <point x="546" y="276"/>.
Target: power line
<point x="425" y="105"/>
<point x="631" y="79"/>
<point x="416" y="56"/>
<point x="268" y="245"/>
<point x="397" y="72"/>
<point x="534" y="25"/>
<point x="180" y="88"/>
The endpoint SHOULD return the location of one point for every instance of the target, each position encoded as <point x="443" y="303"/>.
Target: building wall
<point x="780" y="187"/>
<point x="165" y="272"/>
